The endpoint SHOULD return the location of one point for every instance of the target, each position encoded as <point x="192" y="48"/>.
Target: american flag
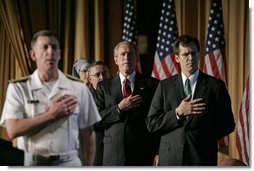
<point x="164" y="60"/>
<point x="215" y="60"/>
<point x="242" y="133"/>
<point x="129" y="24"/>
<point x="130" y="27"/>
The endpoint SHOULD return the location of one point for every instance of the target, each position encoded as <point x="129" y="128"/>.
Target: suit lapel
<point x="178" y="87"/>
<point x="139" y="86"/>
<point x="199" y="90"/>
<point x="201" y="86"/>
<point x="115" y="88"/>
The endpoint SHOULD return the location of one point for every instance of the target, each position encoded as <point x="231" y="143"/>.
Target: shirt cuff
<point x="118" y="110"/>
<point x="178" y="116"/>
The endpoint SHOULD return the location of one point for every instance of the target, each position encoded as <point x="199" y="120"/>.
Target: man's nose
<point x="51" y="48"/>
<point x="127" y="55"/>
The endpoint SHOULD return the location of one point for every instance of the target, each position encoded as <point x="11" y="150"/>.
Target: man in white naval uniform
<point x="50" y="114"/>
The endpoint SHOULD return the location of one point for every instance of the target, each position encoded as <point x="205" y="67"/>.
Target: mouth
<point x="50" y="61"/>
<point x="126" y="63"/>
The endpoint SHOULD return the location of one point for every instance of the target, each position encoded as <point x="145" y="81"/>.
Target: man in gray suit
<point x="127" y="141"/>
<point x="190" y="118"/>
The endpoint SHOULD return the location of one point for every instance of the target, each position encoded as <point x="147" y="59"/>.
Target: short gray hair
<point x="131" y="45"/>
<point x="43" y="33"/>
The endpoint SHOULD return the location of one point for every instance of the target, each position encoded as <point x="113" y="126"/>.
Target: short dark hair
<point x="185" y="40"/>
<point x="43" y="33"/>
<point x="97" y="63"/>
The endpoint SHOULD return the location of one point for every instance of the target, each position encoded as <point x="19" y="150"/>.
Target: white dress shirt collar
<point x="193" y="78"/>
<point x="131" y="77"/>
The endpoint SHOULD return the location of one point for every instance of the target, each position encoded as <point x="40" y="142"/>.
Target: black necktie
<point x="187" y="87"/>
<point x="126" y="88"/>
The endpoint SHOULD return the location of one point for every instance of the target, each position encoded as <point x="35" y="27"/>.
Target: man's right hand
<point x="156" y="160"/>
<point x="191" y="107"/>
<point x="62" y="106"/>
<point x="130" y="102"/>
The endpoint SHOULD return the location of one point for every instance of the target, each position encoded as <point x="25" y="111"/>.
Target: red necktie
<point x="126" y="88"/>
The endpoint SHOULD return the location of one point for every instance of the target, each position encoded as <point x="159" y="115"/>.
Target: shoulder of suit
<point x="146" y="78"/>
<point x="21" y="79"/>
<point x="74" y="78"/>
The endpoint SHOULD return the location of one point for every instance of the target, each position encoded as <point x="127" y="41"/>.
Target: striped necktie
<point x="187" y="87"/>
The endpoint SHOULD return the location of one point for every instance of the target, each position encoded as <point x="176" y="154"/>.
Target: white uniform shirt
<point x="29" y="98"/>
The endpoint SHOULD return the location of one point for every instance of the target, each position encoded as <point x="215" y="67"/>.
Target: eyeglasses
<point x="98" y="74"/>
<point x="194" y="53"/>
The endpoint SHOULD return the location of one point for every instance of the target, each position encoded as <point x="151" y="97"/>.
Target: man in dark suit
<point x="190" y="123"/>
<point x="127" y="141"/>
<point x="97" y="72"/>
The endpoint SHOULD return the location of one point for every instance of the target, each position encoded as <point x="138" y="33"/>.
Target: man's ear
<point x="32" y="55"/>
<point x="177" y="58"/>
<point x="115" y="59"/>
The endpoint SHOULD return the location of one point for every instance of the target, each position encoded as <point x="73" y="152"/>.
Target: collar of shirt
<point x="193" y="79"/>
<point x="36" y="84"/>
<point x="131" y="78"/>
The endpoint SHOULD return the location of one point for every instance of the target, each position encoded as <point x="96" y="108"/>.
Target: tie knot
<point x="126" y="80"/>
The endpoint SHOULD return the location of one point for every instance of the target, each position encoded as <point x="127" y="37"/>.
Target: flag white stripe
<point x="208" y="65"/>
<point x="242" y="141"/>
<point x="219" y="61"/>
<point x="171" y="65"/>
<point x="158" y="65"/>
<point x="242" y="132"/>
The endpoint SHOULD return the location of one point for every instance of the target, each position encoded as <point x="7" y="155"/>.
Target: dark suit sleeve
<point x="162" y="117"/>
<point x="224" y="117"/>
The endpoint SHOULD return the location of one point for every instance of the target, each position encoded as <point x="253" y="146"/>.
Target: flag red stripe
<point x="223" y="54"/>
<point x="177" y="65"/>
<point x="239" y="146"/>
<point x="155" y="71"/>
<point x="247" y="106"/>
<point x="165" y="67"/>
<point x="214" y="66"/>
<point x="242" y="135"/>
<point x="246" y="134"/>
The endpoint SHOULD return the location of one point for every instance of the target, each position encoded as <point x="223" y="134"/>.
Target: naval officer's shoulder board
<point x="74" y="78"/>
<point x="21" y="79"/>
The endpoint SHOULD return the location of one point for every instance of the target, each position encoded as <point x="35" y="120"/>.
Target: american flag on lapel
<point x="214" y="63"/>
<point x="243" y="128"/>
<point x="164" y="60"/>
<point x="130" y="26"/>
